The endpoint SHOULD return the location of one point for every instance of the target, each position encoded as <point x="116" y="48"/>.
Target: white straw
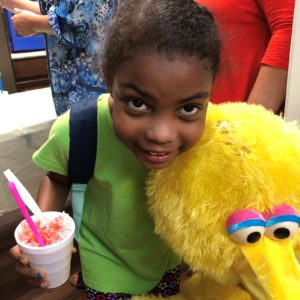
<point x="25" y="195"/>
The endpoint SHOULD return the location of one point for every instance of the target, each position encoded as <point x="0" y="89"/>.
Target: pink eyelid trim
<point x="250" y="214"/>
<point x="243" y="215"/>
<point x="280" y="210"/>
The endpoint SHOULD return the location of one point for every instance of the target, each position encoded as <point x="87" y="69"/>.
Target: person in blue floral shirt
<point x="75" y="31"/>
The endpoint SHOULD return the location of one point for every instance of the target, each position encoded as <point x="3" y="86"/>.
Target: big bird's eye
<point x="246" y="226"/>
<point x="248" y="235"/>
<point x="282" y="227"/>
<point x="282" y="222"/>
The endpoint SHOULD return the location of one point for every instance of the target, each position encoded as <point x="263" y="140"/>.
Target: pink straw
<point x="25" y="213"/>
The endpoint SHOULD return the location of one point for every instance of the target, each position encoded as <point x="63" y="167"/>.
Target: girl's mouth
<point x="157" y="154"/>
<point x="159" y="157"/>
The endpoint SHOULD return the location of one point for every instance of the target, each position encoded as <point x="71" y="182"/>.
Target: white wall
<point x="292" y="104"/>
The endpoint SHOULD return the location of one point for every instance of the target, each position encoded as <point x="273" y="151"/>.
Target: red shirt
<point x="253" y="32"/>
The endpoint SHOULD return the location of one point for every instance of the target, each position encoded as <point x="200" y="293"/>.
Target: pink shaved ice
<point x="52" y="232"/>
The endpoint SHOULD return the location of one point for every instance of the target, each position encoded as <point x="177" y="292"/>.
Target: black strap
<point x="83" y="140"/>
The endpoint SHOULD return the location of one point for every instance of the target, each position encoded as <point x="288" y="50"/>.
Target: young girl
<point x="160" y="60"/>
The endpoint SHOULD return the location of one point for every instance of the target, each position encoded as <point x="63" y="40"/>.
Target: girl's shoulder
<point x="61" y="125"/>
<point x="104" y="106"/>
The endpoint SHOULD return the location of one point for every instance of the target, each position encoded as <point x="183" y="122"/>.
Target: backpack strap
<point x="83" y="140"/>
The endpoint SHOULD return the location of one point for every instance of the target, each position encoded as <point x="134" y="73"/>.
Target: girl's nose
<point x="161" y="133"/>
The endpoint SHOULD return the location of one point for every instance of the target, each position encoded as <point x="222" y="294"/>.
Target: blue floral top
<point x="74" y="52"/>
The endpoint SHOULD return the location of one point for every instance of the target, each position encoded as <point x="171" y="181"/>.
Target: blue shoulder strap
<point x="83" y="140"/>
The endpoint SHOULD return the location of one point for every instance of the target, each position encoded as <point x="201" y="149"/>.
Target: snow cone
<point x="57" y="230"/>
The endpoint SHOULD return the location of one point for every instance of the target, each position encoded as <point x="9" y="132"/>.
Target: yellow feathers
<point x="248" y="158"/>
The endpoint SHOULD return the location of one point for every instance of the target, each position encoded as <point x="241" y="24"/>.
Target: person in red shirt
<point x="256" y="37"/>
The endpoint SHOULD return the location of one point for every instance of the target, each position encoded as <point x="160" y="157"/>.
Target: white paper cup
<point x="55" y="259"/>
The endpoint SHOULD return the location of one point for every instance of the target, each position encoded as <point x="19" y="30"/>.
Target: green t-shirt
<point x="118" y="247"/>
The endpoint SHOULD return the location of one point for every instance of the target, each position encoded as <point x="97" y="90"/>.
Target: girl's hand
<point x="24" y="22"/>
<point x="32" y="276"/>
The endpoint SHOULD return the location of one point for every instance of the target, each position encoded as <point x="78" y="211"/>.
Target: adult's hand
<point x="29" y="23"/>
<point x="23" y="21"/>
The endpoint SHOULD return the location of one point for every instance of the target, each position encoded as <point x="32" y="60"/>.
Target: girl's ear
<point x="107" y="77"/>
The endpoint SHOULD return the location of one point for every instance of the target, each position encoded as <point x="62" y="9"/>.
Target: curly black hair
<point x="170" y="27"/>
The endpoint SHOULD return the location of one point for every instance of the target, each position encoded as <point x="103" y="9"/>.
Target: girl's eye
<point x="189" y="110"/>
<point x="137" y="104"/>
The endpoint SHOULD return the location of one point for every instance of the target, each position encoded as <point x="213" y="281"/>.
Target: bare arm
<point x="53" y="192"/>
<point x="270" y="88"/>
<point x="28" y="19"/>
<point x="28" y="23"/>
<point x="23" y="4"/>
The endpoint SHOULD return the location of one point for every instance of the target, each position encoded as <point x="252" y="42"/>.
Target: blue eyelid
<point x="283" y="218"/>
<point x="246" y="224"/>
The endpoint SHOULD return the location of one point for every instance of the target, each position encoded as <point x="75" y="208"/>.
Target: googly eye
<point x="282" y="223"/>
<point x="282" y="231"/>
<point x="249" y="235"/>
<point x="246" y="226"/>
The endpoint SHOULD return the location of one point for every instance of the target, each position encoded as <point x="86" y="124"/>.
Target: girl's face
<point x="159" y="105"/>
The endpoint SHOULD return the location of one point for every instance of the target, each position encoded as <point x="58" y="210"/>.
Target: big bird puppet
<point x="230" y="207"/>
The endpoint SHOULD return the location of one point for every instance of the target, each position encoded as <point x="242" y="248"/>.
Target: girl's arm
<point x="53" y="192"/>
